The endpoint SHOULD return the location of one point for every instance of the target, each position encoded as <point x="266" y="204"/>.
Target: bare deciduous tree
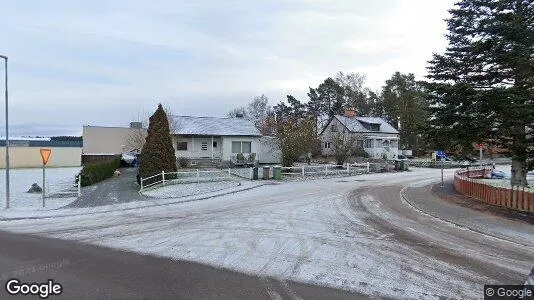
<point x="344" y="145"/>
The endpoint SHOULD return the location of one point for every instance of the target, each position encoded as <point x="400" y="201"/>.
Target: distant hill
<point x="65" y="138"/>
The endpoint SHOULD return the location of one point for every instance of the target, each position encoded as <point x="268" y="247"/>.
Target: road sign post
<point x="45" y="156"/>
<point x="441" y="155"/>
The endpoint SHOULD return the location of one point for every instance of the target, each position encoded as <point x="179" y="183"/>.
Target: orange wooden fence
<point x="517" y="198"/>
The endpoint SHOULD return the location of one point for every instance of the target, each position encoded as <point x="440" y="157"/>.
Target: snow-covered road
<point x="353" y="233"/>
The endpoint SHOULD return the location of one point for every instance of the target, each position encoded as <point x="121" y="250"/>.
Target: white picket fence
<point x="195" y="176"/>
<point x="327" y="170"/>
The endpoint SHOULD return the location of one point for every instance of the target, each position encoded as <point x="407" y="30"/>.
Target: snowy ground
<point x="22" y="179"/>
<point x="302" y="231"/>
<point x="188" y="189"/>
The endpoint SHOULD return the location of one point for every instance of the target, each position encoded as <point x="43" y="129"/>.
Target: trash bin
<point x="398" y="165"/>
<point x="277" y="172"/>
<point x="405" y="165"/>
<point x="266" y="172"/>
<point x="255" y="173"/>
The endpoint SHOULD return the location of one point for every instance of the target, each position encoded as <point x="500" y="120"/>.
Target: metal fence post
<point x="229" y="174"/>
<point x="250" y="173"/>
<point x="79" y="185"/>
<point x="303" y="174"/>
<point x="348" y="168"/>
<point x="163" y="176"/>
<point x="367" y="167"/>
<point x="325" y="170"/>
<point x="141" y="183"/>
<point x="198" y="176"/>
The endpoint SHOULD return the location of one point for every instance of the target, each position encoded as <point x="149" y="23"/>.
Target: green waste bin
<point x="277" y="172"/>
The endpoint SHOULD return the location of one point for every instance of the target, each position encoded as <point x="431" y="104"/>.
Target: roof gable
<point x="364" y="124"/>
<point x="186" y="125"/>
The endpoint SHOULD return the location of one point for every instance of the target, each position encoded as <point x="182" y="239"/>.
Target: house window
<point x="368" y="143"/>
<point x="333" y="128"/>
<point x="181" y="146"/>
<point x="204" y="146"/>
<point x="214" y="145"/>
<point x="327" y="145"/>
<point x="394" y="144"/>
<point x="375" y="127"/>
<point x="241" y="147"/>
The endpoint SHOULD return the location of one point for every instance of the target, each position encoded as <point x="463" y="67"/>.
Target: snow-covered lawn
<point x="22" y="179"/>
<point x="187" y="189"/>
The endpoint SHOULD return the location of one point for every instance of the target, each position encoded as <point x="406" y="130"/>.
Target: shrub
<point x="360" y="152"/>
<point x="183" y="162"/>
<point x="96" y="172"/>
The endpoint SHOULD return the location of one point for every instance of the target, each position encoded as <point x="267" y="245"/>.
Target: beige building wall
<point x="112" y="140"/>
<point x="30" y="157"/>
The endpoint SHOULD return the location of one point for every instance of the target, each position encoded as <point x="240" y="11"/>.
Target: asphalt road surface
<point x="89" y="272"/>
<point x="354" y="233"/>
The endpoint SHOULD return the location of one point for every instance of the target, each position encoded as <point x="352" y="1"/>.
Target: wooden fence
<point x="469" y="184"/>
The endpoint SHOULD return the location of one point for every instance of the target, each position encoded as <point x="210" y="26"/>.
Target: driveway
<point x="120" y="189"/>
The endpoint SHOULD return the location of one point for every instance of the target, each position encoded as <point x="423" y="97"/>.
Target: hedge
<point x="96" y="172"/>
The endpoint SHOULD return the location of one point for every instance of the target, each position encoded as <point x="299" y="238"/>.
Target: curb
<point x="450" y="222"/>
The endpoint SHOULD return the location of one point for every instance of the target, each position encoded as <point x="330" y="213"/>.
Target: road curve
<point x="352" y="233"/>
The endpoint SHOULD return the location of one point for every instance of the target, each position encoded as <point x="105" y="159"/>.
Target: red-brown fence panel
<point x="516" y="197"/>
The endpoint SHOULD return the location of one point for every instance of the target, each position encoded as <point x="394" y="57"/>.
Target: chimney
<point x="350" y="113"/>
<point x="136" y="125"/>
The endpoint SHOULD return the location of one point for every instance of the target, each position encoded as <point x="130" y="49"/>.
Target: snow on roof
<point x="356" y="124"/>
<point x="214" y="126"/>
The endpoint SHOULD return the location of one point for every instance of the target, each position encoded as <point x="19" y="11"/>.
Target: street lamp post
<point x="7" y="134"/>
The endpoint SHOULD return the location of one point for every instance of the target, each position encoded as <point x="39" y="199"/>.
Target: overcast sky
<point x="104" y="62"/>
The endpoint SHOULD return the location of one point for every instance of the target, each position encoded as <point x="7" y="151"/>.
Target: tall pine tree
<point x="158" y="153"/>
<point x="483" y="85"/>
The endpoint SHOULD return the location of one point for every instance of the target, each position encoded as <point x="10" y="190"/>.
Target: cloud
<point x="104" y="62"/>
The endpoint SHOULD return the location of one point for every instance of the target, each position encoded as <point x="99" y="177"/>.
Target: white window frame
<point x="241" y="147"/>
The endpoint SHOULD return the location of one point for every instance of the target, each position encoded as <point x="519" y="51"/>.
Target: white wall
<point x="227" y="145"/>
<point x="269" y="153"/>
<point x="111" y="140"/>
<point x="30" y="157"/>
<point x="194" y="147"/>
<point x="374" y="152"/>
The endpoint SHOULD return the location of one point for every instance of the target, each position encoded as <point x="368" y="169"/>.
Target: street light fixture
<point x="7" y="134"/>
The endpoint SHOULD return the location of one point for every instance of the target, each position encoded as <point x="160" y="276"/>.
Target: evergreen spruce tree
<point x="483" y="85"/>
<point x="158" y="153"/>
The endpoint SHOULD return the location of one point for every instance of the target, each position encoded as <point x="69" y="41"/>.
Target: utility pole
<point x="7" y="132"/>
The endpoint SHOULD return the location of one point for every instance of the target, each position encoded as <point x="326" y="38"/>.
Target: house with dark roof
<point x="221" y="139"/>
<point x="375" y="135"/>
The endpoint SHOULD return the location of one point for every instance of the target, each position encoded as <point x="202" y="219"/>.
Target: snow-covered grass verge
<point x="188" y="189"/>
<point x="22" y="179"/>
<point x="120" y="207"/>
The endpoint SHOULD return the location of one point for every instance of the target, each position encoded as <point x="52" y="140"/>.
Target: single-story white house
<point x="221" y="139"/>
<point x="376" y="136"/>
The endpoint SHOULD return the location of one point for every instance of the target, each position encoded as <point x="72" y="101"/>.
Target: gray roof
<point x="357" y="124"/>
<point x="187" y="125"/>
